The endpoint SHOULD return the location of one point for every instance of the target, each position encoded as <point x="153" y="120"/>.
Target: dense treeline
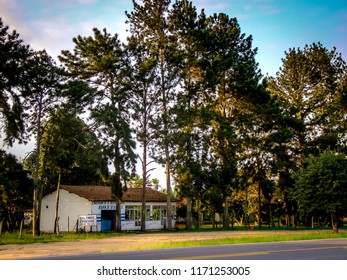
<point x="187" y="88"/>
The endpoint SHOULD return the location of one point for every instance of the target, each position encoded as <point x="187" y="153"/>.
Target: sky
<point x="275" y="25"/>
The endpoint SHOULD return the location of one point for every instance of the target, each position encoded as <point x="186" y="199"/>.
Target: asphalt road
<point x="327" y="249"/>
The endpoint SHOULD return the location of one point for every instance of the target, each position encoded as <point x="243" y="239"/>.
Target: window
<point x="132" y="213"/>
<point x="158" y="213"/>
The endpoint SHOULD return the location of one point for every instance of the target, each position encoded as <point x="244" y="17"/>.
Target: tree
<point x="135" y="181"/>
<point x="14" y="57"/>
<point x="189" y="132"/>
<point x="69" y="145"/>
<point x="101" y="61"/>
<point x="232" y="80"/>
<point x="308" y="88"/>
<point x="71" y="154"/>
<point x="148" y="23"/>
<point x="15" y="191"/>
<point x="142" y="88"/>
<point x="44" y="82"/>
<point x="322" y="186"/>
<point x="310" y="83"/>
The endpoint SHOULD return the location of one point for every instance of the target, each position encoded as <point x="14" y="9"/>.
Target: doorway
<point x="107" y="220"/>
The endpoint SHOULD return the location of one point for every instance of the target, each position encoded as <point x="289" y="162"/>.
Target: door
<point x="107" y="220"/>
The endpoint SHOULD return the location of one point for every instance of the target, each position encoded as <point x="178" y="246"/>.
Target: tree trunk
<point x="56" y="213"/>
<point x="144" y="161"/>
<point x="312" y="221"/>
<point x="232" y="219"/>
<point x="259" y="205"/>
<point x="144" y="179"/>
<point x="293" y="216"/>
<point x="198" y="222"/>
<point x="226" y="213"/>
<point x="189" y="213"/>
<point x="279" y="220"/>
<point x="143" y="210"/>
<point x="334" y="223"/>
<point x="168" y="188"/>
<point x="117" y="191"/>
<point x="21" y="229"/>
<point x="246" y="223"/>
<point x="37" y="185"/>
<point x="166" y="141"/>
<point x="287" y="220"/>
<point x="213" y="219"/>
<point x="117" y="216"/>
<point x="271" y="223"/>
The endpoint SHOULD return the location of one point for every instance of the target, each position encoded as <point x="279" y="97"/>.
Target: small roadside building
<point x="92" y="208"/>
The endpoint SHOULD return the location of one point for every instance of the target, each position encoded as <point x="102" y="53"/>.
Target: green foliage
<point x="309" y="84"/>
<point x="70" y="147"/>
<point x="15" y="191"/>
<point x="321" y="187"/>
<point x="14" y="56"/>
<point x="101" y="61"/>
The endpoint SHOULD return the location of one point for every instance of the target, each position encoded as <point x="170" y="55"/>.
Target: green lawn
<point x="27" y="238"/>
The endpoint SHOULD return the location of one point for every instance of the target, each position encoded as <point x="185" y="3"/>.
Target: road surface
<point x="327" y="249"/>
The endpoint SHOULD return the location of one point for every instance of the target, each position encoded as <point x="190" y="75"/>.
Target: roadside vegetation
<point x="242" y="239"/>
<point x="28" y="238"/>
<point x="263" y="234"/>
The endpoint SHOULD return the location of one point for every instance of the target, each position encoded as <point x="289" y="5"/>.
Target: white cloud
<point x="53" y="35"/>
<point x="211" y="6"/>
<point x="51" y="26"/>
<point x="269" y="10"/>
<point x="87" y="1"/>
<point x="11" y="14"/>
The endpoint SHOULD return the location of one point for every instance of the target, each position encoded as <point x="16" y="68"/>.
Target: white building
<point x="92" y="208"/>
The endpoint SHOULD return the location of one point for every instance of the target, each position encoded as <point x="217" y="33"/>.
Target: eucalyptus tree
<point x="14" y="56"/>
<point x="148" y="23"/>
<point x="101" y="61"/>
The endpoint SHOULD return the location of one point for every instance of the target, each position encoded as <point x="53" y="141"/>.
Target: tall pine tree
<point x="101" y="61"/>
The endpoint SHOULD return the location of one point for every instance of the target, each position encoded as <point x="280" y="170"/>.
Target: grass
<point x="262" y="235"/>
<point x="239" y="240"/>
<point x="27" y="238"/>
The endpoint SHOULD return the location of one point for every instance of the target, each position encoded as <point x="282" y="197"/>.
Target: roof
<point x="103" y="193"/>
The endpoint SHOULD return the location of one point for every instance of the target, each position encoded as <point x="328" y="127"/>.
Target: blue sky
<point x="276" y="25"/>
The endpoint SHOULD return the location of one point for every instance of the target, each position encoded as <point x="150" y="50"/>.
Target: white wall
<point x="70" y="207"/>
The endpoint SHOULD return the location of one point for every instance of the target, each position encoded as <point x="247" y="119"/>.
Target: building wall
<point x="70" y="207"/>
<point x="97" y="208"/>
<point x="153" y="221"/>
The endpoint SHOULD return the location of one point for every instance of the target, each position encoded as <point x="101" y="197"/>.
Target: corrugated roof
<point x="103" y="193"/>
